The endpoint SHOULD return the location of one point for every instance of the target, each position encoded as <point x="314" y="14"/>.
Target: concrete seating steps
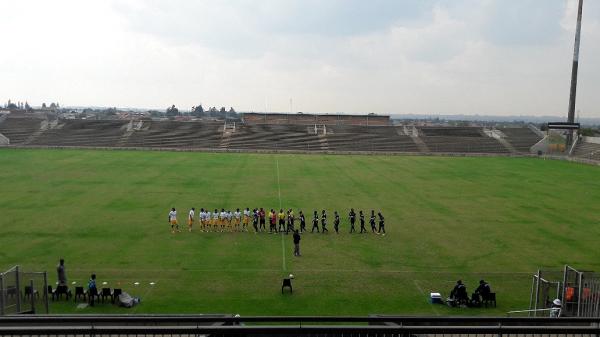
<point x="587" y="150"/>
<point x="176" y="135"/>
<point x="464" y="144"/>
<point x="451" y="131"/>
<point x="294" y="137"/>
<point x="370" y="142"/>
<point x="522" y="139"/>
<point x="18" y="129"/>
<point x="83" y="133"/>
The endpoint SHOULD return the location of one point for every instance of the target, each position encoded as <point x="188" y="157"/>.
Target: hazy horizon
<point x="430" y="57"/>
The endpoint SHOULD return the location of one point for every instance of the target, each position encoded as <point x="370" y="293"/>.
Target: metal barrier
<point x="221" y="325"/>
<point x="23" y="292"/>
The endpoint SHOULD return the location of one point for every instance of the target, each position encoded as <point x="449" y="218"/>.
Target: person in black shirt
<point x="296" y="243"/>
<point x="459" y="293"/>
<point x="261" y="215"/>
<point x="255" y="220"/>
<point x="324" y="222"/>
<point x="482" y="291"/>
<point x="302" y="222"/>
<point x="352" y="217"/>
<point x="372" y="222"/>
<point x="336" y="222"/>
<point x="381" y="224"/>
<point x="362" y="222"/>
<point x="315" y="223"/>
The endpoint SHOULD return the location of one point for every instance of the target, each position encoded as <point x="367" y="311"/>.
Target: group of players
<point x="282" y="221"/>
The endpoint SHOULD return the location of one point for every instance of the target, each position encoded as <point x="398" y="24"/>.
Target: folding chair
<point x="80" y="293"/>
<point x="287" y="283"/>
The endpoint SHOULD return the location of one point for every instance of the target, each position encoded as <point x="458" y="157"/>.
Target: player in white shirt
<point x="222" y="219"/>
<point x="246" y="219"/>
<point x="191" y="216"/>
<point x="228" y="218"/>
<point x="173" y="220"/>
<point x="237" y="216"/>
<point x="201" y="219"/>
<point x="204" y="215"/>
<point x="215" y="221"/>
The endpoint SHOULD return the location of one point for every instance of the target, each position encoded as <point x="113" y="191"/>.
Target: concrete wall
<point x="308" y="119"/>
<point x="595" y="140"/>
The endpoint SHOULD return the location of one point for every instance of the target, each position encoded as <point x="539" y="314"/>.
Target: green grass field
<point x="447" y="218"/>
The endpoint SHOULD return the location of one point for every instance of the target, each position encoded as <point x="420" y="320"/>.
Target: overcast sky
<point x="489" y="57"/>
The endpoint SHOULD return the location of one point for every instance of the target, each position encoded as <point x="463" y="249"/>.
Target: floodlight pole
<point x="573" y="92"/>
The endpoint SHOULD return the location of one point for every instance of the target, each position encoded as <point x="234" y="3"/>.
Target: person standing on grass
<point x="324" y="222"/>
<point x="191" y="216"/>
<point x="296" y="243"/>
<point x="237" y="215"/>
<point x="246" y="219"/>
<point x="336" y="222"/>
<point x="372" y="222"/>
<point x="381" y="224"/>
<point x="255" y="217"/>
<point x="290" y="221"/>
<point x="261" y="215"/>
<point x="62" y="273"/>
<point x="215" y="220"/>
<point x="302" y="221"/>
<point x="92" y="290"/>
<point x="362" y="222"/>
<point x="281" y="217"/>
<point x="352" y="217"/>
<point x="202" y="219"/>
<point x="173" y="220"/>
<point x="315" y="222"/>
<point x="273" y="221"/>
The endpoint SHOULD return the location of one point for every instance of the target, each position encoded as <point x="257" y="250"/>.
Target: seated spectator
<point x="484" y="289"/>
<point x="459" y="293"/>
<point x="480" y="293"/>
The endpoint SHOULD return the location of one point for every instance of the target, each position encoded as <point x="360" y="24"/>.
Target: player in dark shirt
<point x="362" y="222"/>
<point x="352" y="217"/>
<point x="372" y="222"/>
<point x="261" y="215"/>
<point x="302" y="222"/>
<point x="381" y="224"/>
<point x="255" y="217"/>
<point x="315" y="222"/>
<point x="336" y="222"/>
<point x="324" y="222"/>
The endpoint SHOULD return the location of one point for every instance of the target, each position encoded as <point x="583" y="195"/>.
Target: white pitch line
<point x="424" y="294"/>
<point x="280" y="205"/>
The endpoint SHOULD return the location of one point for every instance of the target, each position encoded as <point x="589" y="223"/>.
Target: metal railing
<point x="222" y="325"/>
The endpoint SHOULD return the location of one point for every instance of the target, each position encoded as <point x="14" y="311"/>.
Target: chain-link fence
<point x="23" y="292"/>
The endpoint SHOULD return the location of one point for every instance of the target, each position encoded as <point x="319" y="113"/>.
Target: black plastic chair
<point x="489" y="299"/>
<point x="61" y="290"/>
<point x="105" y="293"/>
<point x="287" y="283"/>
<point x="115" y="293"/>
<point x="29" y="291"/>
<point x="80" y="293"/>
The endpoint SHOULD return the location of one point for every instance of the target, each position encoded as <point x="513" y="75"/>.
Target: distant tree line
<point x="199" y="112"/>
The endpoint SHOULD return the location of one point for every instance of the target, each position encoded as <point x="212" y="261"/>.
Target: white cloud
<point x="437" y="58"/>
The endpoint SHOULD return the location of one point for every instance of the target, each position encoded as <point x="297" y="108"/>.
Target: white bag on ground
<point x="127" y="301"/>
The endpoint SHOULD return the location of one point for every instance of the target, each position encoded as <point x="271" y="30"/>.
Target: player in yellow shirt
<point x="281" y="218"/>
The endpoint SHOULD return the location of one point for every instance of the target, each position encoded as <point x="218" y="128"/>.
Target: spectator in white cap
<point x="555" y="309"/>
